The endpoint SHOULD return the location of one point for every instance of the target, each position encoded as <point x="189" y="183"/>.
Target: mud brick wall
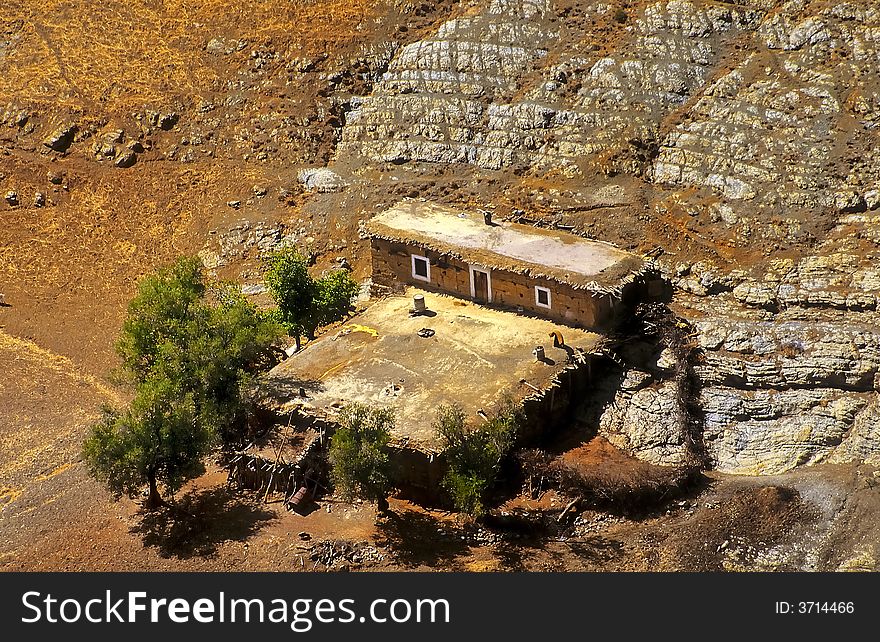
<point x="392" y="264"/>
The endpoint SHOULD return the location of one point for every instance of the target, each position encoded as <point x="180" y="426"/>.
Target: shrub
<point x="474" y="455"/>
<point x="360" y="465"/>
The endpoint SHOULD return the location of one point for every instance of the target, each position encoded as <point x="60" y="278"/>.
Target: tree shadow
<point x="596" y="549"/>
<point x="417" y="539"/>
<point x="199" y="522"/>
<point x="287" y="386"/>
<point x="512" y="556"/>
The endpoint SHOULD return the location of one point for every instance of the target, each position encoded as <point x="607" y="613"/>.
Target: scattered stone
<point x="215" y="46"/>
<point x="14" y="116"/>
<point x="11" y="197"/>
<point x="320" y="179"/>
<point x="61" y="139"/>
<point x="167" y="121"/>
<point x="224" y="47"/>
<point x="54" y="177"/>
<point x="39" y="199"/>
<point x="125" y="159"/>
<point x="234" y="204"/>
<point x="259" y="191"/>
<point x="253" y="289"/>
<point x="340" y="553"/>
<point x="211" y="260"/>
<point x="114" y="136"/>
<point x="103" y="149"/>
<point x="849" y="202"/>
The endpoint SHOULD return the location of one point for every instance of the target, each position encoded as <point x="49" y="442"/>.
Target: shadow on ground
<point x="199" y="522"/>
<point x="416" y="539"/>
<point x="594" y="551"/>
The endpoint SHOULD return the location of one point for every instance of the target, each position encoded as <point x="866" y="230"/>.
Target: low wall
<point x="420" y="473"/>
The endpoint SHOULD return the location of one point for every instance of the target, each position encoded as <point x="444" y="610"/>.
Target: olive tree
<point x="190" y="354"/>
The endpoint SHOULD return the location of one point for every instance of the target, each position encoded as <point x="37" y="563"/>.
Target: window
<point x="421" y="268"/>
<point x="542" y="297"/>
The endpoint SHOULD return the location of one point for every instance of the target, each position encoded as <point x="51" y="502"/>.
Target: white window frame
<point x="549" y="303"/>
<point x="488" y="273"/>
<point x="415" y="275"/>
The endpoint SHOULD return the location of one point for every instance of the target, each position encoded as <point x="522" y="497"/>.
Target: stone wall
<point x="392" y="264"/>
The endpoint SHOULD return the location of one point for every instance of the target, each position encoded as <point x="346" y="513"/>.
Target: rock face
<point x="774" y="395"/>
<point x="441" y="98"/>
<point x="444" y="99"/>
<point x="720" y="97"/>
<point x="641" y="420"/>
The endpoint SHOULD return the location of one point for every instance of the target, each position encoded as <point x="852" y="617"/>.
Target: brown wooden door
<point x="481" y="286"/>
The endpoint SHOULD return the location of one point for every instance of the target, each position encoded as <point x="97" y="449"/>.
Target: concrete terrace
<point x="475" y="355"/>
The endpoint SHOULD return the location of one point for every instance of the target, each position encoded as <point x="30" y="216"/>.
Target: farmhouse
<point x="549" y="273"/>
<point x="480" y="311"/>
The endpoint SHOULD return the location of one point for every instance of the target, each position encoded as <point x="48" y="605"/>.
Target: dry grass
<point x="127" y="53"/>
<point x="47" y="402"/>
<point x="107" y="231"/>
<point x="28" y="355"/>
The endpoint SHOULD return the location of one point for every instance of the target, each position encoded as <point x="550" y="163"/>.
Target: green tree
<point x="293" y="289"/>
<point x="190" y="354"/>
<point x="474" y="455"/>
<point x="305" y="303"/>
<point x="158" y="316"/>
<point x="360" y="464"/>
<point x="157" y="438"/>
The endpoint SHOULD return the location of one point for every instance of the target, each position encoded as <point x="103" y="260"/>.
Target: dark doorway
<point x="481" y="286"/>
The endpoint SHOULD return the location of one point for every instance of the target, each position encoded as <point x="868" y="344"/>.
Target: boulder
<point x="61" y="138"/>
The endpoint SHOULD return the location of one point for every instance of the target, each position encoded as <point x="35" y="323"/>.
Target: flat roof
<point x="475" y="355"/>
<point x="554" y="254"/>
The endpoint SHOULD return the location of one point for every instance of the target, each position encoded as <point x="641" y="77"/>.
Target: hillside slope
<point x="737" y="143"/>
